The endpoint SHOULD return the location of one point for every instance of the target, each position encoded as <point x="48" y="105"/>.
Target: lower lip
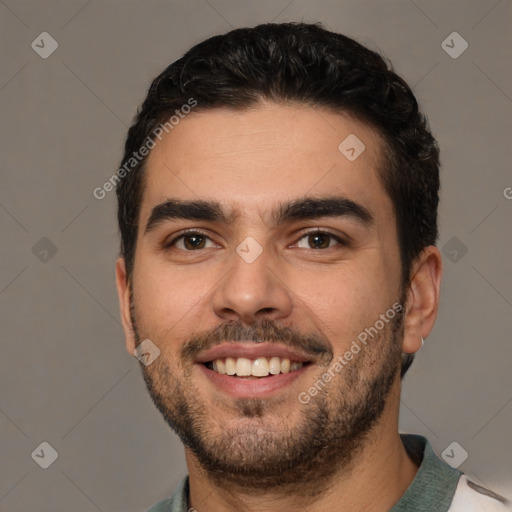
<point x="259" y="387"/>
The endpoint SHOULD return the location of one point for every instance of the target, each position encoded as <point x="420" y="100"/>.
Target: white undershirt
<point x="469" y="499"/>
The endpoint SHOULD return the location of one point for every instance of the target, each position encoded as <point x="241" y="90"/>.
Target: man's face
<point x="260" y="286"/>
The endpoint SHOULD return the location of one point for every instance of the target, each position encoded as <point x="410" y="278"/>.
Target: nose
<point x="253" y="291"/>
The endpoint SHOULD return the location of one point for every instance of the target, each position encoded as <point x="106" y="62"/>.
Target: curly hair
<point x="306" y="64"/>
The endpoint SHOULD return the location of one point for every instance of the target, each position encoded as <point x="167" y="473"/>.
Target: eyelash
<point x="195" y="231"/>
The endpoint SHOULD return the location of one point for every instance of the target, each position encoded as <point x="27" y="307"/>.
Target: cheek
<point x="167" y="301"/>
<point x="344" y="302"/>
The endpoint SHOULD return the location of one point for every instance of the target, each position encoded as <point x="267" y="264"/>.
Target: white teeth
<point x="221" y="366"/>
<point x="243" y="367"/>
<point x="259" y="367"/>
<point x="230" y="366"/>
<point x="274" y="365"/>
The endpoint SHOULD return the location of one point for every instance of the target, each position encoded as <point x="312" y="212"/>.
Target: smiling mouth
<point x="259" y="367"/>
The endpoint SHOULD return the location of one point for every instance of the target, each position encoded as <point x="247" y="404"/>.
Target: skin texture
<point x="341" y="451"/>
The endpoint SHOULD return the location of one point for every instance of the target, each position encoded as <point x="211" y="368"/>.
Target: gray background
<point x="65" y="377"/>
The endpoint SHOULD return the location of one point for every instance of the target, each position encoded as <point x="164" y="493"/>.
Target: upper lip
<point x="251" y="350"/>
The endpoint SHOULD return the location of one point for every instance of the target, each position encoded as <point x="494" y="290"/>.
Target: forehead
<point x="252" y="159"/>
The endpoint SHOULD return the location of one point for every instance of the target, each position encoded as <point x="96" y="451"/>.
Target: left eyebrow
<point x="315" y="208"/>
<point x="189" y="210"/>
<point x="307" y="208"/>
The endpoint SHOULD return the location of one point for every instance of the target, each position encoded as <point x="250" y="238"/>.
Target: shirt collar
<point x="435" y="482"/>
<point x="432" y="489"/>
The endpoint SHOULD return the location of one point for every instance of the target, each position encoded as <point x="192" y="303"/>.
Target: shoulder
<point x="470" y="497"/>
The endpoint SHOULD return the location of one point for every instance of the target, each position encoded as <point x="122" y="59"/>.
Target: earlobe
<point x="123" y="292"/>
<point x="422" y="299"/>
<point x="411" y="347"/>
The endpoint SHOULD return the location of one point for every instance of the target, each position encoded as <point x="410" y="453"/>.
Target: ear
<point x="422" y="298"/>
<point x="123" y="292"/>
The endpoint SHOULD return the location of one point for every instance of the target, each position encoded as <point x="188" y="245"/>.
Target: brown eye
<point x="192" y="241"/>
<point x="319" y="240"/>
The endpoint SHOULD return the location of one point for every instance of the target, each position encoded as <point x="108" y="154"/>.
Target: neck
<point x="375" y="480"/>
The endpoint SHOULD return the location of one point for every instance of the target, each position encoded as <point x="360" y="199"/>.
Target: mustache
<point x="315" y="345"/>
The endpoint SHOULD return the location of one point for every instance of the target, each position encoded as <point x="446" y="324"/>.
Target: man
<point x="278" y="212"/>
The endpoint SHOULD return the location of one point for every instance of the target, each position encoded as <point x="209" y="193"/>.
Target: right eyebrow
<point x="188" y="210"/>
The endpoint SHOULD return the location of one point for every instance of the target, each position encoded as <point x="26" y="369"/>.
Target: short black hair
<point x="288" y="63"/>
